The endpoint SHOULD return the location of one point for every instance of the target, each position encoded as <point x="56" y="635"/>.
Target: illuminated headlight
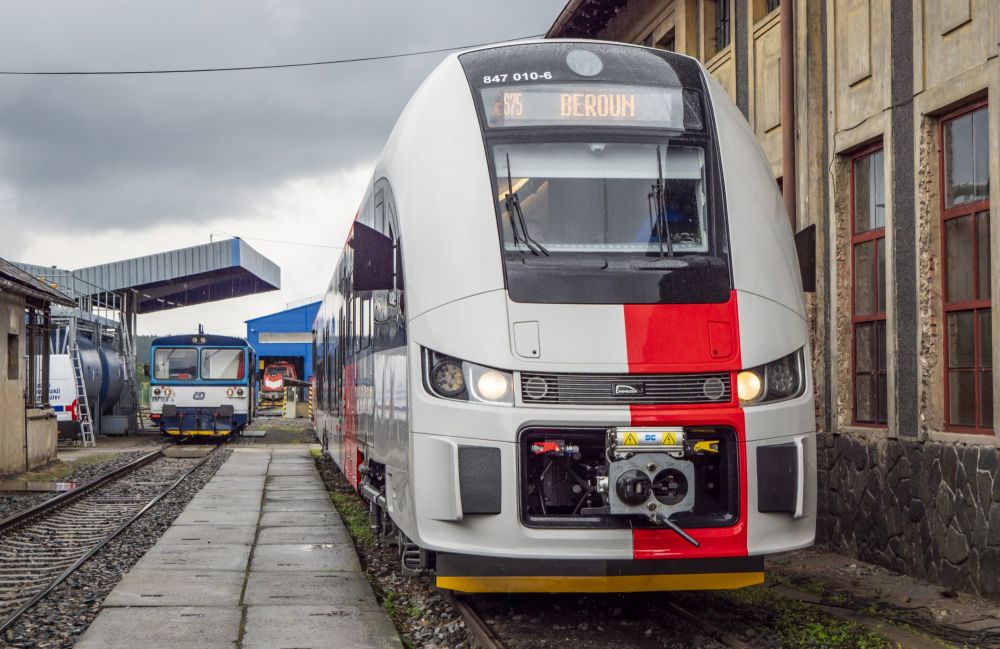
<point x="776" y="381"/>
<point x="167" y="392"/>
<point x="230" y="392"/>
<point x="451" y="378"/>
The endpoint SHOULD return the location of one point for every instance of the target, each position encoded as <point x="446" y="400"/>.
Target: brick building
<point x="880" y="120"/>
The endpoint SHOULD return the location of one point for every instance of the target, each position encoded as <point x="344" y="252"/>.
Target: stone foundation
<point x="930" y="510"/>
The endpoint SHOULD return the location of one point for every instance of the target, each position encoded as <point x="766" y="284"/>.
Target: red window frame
<point x="876" y="316"/>
<point x="974" y="305"/>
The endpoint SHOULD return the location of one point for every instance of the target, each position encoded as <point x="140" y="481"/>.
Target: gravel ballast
<point x="58" y="620"/>
<point x="13" y="502"/>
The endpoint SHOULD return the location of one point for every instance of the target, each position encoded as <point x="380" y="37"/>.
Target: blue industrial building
<point x="285" y="336"/>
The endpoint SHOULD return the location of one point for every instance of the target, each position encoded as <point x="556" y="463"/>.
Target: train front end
<point x="200" y="385"/>
<point x="607" y="348"/>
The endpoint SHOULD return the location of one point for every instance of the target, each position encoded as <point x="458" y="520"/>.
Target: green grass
<point x="355" y="514"/>
<point x="316" y="453"/>
<point x="800" y="625"/>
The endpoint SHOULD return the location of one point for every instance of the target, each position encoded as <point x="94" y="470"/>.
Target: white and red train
<point x="566" y="346"/>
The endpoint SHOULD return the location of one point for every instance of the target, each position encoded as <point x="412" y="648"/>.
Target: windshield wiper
<point x="658" y="204"/>
<point x="513" y="205"/>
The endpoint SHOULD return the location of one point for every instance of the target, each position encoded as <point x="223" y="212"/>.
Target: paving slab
<point x="299" y="519"/>
<point x="305" y="556"/>
<point x="318" y="627"/>
<point x="177" y="627"/>
<point x="294" y="483"/>
<point x="309" y="588"/>
<point x="199" y="535"/>
<point x="142" y="587"/>
<point x="336" y="534"/>
<point x="201" y="516"/>
<point x="223" y="556"/>
<point x="316" y="505"/>
<point x="296" y="495"/>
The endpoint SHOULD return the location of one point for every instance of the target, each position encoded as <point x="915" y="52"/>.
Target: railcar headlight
<point x="156" y="392"/>
<point x="167" y="391"/>
<point x="239" y="392"/>
<point x="749" y="386"/>
<point x="778" y="380"/>
<point x="451" y="378"/>
<point x="230" y="392"/>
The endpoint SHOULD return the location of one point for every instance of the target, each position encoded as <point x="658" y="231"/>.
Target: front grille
<point x="625" y="389"/>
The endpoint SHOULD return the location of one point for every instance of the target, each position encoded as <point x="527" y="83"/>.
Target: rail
<point x="47" y="513"/>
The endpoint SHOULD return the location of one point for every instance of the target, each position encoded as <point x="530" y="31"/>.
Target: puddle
<point x="33" y="486"/>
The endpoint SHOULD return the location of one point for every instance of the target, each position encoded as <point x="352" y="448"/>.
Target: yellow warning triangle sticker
<point x="669" y="439"/>
<point x="631" y="439"/>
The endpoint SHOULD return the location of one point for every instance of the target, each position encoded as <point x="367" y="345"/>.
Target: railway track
<point x="43" y="545"/>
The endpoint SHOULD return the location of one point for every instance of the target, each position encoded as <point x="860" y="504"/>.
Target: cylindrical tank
<point x="103" y="369"/>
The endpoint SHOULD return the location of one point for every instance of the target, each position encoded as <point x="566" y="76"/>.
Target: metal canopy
<point x="168" y="280"/>
<point x="13" y="278"/>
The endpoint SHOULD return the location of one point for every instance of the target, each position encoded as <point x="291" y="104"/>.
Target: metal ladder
<point x="82" y="404"/>
<point x="130" y="377"/>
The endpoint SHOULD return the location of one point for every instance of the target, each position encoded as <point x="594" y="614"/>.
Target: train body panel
<point x="534" y="391"/>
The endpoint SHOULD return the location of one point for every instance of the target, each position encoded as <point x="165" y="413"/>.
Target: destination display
<point x="583" y="105"/>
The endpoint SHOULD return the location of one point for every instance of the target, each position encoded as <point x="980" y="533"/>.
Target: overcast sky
<point x="95" y="169"/>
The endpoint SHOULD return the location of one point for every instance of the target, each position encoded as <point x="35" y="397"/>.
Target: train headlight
<point x="452" y="378"/>
<point x="230" y="392"/>
<point x="492" y="385"/>
<point x="239" y="392"/>
<point x="778" y="380"/>
<point x="156" y="392"/>
<point x="749" y="386"/>
<point x="167" y="392"/>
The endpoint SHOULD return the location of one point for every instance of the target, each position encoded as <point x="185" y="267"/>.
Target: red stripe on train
<point x="677" y="338"/>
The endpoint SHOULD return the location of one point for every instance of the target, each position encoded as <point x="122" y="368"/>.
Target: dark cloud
<point x="105" y="152"/>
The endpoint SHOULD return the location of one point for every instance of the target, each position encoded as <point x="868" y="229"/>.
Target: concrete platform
<point x="259" y="558"/>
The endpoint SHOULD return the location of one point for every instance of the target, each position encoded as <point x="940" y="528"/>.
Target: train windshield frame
<point x="620" y="208"/>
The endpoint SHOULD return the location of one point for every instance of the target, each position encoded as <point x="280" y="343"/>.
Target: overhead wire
<point x="244" y="68"/>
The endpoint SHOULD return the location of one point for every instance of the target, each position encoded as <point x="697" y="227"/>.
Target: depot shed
<point x="285" y="336"/>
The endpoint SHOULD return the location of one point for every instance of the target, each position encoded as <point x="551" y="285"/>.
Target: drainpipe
<point x="788" y="110"/>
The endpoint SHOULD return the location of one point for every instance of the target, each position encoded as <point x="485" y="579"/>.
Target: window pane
<point x="862" y="194"/>
<point x="880" y="346"/>
<point x="883" y="399"/>
<point x="880" y="245"/>
<point x="986" y="399"/>
<point x="962" y="393"/>
<point x="864" y="351"/>
<point x="864" y="400"/>
<point x="985" y="339"/>
<point x="864" y="294"/>
<point x="961" y="339"/>
<point x="958" y="246"/>
<point x="981" y="146"/>
<point x="220" y="364"/>
<point x="983" y="251"/>
<point x="175" y="364"/>
<point x="878" y="191"/>
<point x="959" y="161"/>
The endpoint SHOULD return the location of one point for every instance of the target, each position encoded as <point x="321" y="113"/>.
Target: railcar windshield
<point x="175" y="363"/>
<point x="222" y="364"/>
<point x="280" y="370"/>
<point x="604" y="198"/>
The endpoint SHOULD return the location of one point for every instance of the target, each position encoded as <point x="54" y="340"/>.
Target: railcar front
<point x="200" y="385"/>
<point x="596" y="375"/>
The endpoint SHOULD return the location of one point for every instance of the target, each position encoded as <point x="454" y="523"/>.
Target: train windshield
<point x="175" y="363"/>
<point x="222" y="364"/>
<point x="606" y="198"/>
<point x="606" y="221"/>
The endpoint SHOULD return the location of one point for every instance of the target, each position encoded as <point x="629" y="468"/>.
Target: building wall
<point x="12" y="457"/>
<point x="908" y="494"/>
<point x="298" y="320"/>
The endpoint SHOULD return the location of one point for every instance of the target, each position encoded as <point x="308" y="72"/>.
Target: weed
<point x="355" y="514"/>
<point x="316" y="452"/>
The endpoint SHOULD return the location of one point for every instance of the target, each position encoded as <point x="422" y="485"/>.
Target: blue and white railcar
<point x="201" y="385"/>
<point x="566" y="348"/>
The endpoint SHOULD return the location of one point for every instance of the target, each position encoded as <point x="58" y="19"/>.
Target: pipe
<point x="788" y="111"/>
<point x="373" y="495"/>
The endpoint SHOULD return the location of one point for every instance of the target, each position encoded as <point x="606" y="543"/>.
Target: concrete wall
<point x="42" y="437"/>
<point x="11" y="390"/>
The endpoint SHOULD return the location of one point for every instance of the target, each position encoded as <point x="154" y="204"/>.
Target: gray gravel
<point x="12" y="502"/>
<point x="63" y="615"/>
